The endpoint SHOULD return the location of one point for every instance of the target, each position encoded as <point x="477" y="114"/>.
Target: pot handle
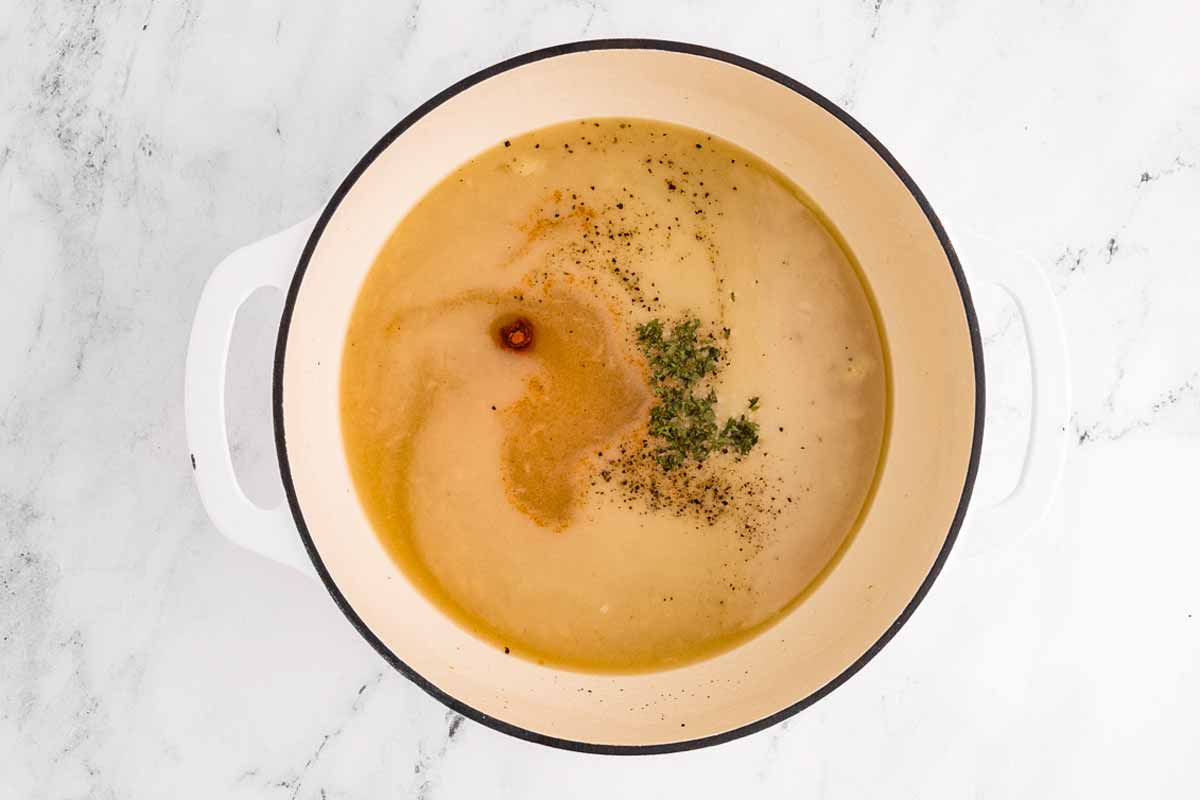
<point x="267" y="531"/>
<point x="1024" y="281"/>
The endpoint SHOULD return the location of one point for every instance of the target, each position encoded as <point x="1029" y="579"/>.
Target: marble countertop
<point x="143" y="655"/>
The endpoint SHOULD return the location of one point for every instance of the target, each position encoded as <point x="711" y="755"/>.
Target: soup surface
<point x="613" y="396"/>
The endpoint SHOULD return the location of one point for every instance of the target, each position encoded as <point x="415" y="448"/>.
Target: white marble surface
<point x="141" y="655"/>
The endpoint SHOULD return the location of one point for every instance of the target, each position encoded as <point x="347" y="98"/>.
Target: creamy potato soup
<point x="613" y="396"/>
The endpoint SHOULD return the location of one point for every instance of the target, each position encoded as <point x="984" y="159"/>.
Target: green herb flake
<point x="740" y="434"/>
<point x="683" y="420"/>
<point x="754" y="404"/>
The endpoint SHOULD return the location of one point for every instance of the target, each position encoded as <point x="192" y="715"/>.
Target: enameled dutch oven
<point x="931" y="453"/>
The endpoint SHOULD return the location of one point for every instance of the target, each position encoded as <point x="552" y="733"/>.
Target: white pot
<point x="933" y="440"/>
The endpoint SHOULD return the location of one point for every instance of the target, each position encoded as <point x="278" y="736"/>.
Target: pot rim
<point x="285" y="326"/>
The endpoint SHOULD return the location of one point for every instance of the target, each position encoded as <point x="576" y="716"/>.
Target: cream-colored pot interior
<point x="928" y="456"/>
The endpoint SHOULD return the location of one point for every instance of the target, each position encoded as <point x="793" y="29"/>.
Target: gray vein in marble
<point x="413" y="18"/>
<point x="774" y="742"/>
<point x="427" y="761"/>
<point x="187" y="21"/>
<point x="1002" y="327"/>
<point x="1073" y="260"/>
<point x="876" y="17"/>
<point x="295" y="782"/>
<point x="1179" y="394"/>
<point x="26" y="584"/>
<point x="587" y="25"/>
<point x="1086" y="433"/>
<point x="1110" y="249"/>
<point x="1178" y="165"/>
<point x="855" y="66"/>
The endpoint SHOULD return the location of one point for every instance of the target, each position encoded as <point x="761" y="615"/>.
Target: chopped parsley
<point x="740" y="433"/>
<point x="683" y="421"/>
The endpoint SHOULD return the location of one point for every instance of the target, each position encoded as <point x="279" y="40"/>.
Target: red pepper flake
<point x="517" y="335"/>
